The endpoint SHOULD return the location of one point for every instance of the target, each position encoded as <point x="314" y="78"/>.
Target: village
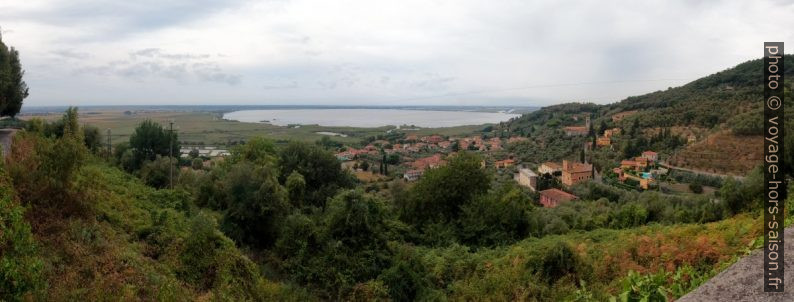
<point x="413" y="155"/>
<point x="408" y="157"/>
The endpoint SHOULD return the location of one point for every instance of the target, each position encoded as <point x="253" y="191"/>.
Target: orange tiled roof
<point x="558" y="194"/>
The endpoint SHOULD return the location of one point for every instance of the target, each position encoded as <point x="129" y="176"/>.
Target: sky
<point x="371" y="52"/>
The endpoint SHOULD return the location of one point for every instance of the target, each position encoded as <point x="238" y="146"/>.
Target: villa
<point x="549" y="168"/>
<point x="574" y="173"/>
<point x="553" y="197"/>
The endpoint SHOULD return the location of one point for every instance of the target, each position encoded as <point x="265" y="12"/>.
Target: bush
<point x="44" y="170"/>
<point x="157" y="173"/>
<point x="20" y="267"/>
<point x="696" y="188"/>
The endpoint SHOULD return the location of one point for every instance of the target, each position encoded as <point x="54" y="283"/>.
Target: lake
<point x="369" y="118"/>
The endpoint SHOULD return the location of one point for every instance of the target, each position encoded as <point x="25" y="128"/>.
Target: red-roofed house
<point x="650" y="155"/>
<point x="576" y="130"/>
<point x="499" y="164"/>
<point x="428" y="162"/>
<point x="553" y="197"/>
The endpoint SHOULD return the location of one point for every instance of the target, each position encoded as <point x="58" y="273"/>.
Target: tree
<point x="296" y="189"/>
<point x="496" y="218"/>
<point x="602" y="127"/>
<point x="255" y="204"/>
<point x="440" y="193"/>
<point x="194" y="153"/>
<point x="364" y="165"/>
<point x="156" y="173"/>
<point x="92" y="138"/>
<point x="197" y="164"/>
<point x="696" y="188"/>
<point x="13" y="89"/>
<point x="149" y="140"/>
<point x="385" y="164"/>
<point x="258" y="150"/>
<point x="319" y="167"/>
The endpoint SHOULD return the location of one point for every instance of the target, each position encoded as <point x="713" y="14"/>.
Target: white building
<point x="527" y="178"/>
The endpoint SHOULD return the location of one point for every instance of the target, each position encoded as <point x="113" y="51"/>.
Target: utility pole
<point x="171" y="155"/>
<point x="110" y="150"/>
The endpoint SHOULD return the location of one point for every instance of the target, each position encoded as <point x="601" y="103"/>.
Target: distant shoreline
<point x="231" y="108"/>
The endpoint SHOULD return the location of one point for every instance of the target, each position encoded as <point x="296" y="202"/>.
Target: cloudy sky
<point x="370" y="52"/>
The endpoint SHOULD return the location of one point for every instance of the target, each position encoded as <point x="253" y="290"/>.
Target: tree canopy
<point x="13" y="89"/>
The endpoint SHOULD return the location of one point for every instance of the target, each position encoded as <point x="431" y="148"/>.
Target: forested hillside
<point x="703" y="110"/>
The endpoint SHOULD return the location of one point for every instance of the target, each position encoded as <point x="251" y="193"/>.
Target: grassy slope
<point x="606" y="256"/>
<point x="135" y="247"/>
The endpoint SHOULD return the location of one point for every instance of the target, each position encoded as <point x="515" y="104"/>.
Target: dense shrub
<point x="320" y="170"/>
<point x="20" y="266"/>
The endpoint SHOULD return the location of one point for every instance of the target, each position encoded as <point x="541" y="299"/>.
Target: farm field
<point x="208" y="128"/>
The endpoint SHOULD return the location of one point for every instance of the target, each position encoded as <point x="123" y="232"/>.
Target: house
<point x="428" y="162"/>
<point x="574" y="173"/>
<point x="549" y="168"/>
<point x="691" y="139"/>
<point x="603" y="141"/>
<point x="412" y="175"/>
<point x="433" y="139"/>
<point x="575" y="130"/>
<point x="553" y="197"/>
<point x="650" y="155"/>
<point x="638" y="163"/>
<point x="445" y="144"/>
<point x="412" y="137"/>
<point x="611" y="132"/>
<point x="527" y="178"/>
<point x="619" y="172"/>
<point x="642" y="162"/>
<point x="628" y="164"/>
<point x="500" y="164"/>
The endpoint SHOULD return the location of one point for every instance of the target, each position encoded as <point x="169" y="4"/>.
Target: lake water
<point x="368" y="117"/>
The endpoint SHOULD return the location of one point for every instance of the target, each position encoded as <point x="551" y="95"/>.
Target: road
<point x="743" y="280"/>
<point x="663" y="164"/>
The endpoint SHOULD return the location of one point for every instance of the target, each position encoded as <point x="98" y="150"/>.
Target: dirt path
<point x="743" y="280"/>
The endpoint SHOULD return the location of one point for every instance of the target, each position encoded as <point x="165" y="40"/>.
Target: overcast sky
<point x="368" y="52"/>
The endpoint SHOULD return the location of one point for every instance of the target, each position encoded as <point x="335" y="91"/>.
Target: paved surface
<point x="6" y="136"/>
<point x="743" y="280"/>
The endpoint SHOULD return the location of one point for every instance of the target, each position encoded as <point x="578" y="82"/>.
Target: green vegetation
<point x="284" y="221"/>
<point x="13" y="89"/>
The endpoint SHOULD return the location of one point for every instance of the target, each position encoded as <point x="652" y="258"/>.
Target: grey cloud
<point x="71" y="54"/>
<point x="151" y="63"/>
<point x="117" y="19"/>
<point x="290" y="85"/>
<point x="158" y="53"/>
<point x="211" y="72"/>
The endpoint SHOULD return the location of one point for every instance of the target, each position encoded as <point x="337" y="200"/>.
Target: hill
<point x="721" y="110"/>
<point x="110" y="237"/>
